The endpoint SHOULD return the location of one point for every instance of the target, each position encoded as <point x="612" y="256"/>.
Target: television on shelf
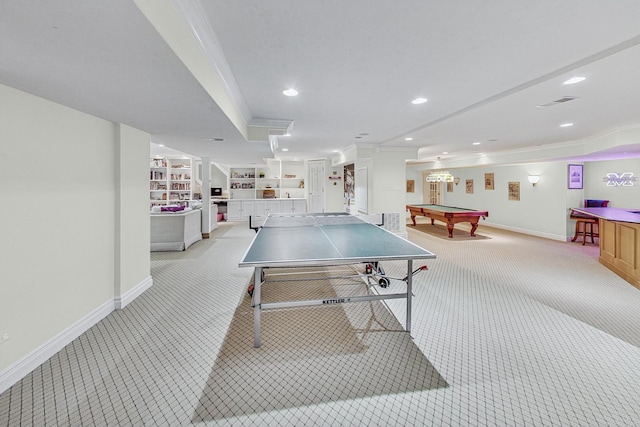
<point x="216" y="191"/>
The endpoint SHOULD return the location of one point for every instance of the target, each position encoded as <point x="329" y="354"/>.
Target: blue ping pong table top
<point x="328" y="244"/>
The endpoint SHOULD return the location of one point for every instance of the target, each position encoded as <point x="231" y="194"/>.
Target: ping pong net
<point x="311" y="220"/>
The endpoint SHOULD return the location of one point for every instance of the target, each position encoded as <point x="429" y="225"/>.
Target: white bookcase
<point x="278" y="187"/>
<point x="180" y="181"/>
<point x="242" y="183"/>
<point x="280" y="179"/>
<point x="158" y="193"/>
<point x="171" y="181"/>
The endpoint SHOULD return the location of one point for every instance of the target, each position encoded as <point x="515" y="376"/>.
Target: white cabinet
<point x="240" y="210"/>
<point x="234" y="210"/>
<point x="293" y="205"/>
<point x="266" y="207"/>
<point x="299" y="206"/>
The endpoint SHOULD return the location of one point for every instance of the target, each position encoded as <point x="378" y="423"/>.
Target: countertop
<point x="612" y="214"/>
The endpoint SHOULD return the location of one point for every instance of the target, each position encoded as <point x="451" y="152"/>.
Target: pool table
<point x="447" y="214"/>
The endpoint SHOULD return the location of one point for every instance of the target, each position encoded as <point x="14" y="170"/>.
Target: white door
<point x="316" y="186"/>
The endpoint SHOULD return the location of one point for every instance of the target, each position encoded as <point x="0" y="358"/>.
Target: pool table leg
<point x="413" y="218"/>
<point x="474" y="226"/>
<point x="449" y="229"/>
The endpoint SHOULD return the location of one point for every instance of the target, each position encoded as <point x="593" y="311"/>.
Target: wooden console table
<point x="619" y="231"/>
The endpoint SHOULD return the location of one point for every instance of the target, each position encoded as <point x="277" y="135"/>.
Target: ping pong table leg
<point x="409" y="291"/>
<point x="257" y="283"/>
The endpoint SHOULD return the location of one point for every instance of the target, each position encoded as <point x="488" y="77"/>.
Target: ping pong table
<point x="327" y="239"/>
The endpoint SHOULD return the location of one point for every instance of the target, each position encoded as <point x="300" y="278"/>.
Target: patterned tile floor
<point x="509" y="330"/>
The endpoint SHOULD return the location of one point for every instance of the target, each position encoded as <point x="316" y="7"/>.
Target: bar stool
<point x="587" y="221"/>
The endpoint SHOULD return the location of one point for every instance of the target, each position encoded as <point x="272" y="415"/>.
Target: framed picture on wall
<point x="449" y="187"/>
<point x="488" y="181"/>
<point x="575" y="177"/>
<point x="469" y="185"/>
<point x="514" y="190"/>
<point x="411" y="185"/>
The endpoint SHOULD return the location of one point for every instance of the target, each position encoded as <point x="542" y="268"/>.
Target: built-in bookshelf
<point x="171" y="181"/>
<point x="280" y="179"/>
<point x="158" y="182"/>
<point x="179" y="180"/>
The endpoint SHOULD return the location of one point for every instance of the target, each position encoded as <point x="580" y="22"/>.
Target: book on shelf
<point x="157" y="186"/>
<point x="158" y="163"/>
<point x="180" y="177"/>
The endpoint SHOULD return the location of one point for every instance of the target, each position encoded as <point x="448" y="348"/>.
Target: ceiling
<point x="191" y="72"/>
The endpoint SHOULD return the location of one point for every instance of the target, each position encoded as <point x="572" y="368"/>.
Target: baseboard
<point x="133" y="293"/>
<point x="524" y="231"/>
<point x="31" y="361"/>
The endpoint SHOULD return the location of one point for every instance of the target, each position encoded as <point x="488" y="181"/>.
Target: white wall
<point x="218" y="178"/>
<point x="543" y="210"/>
<point x="540" y="211"/>
<point x="414" y="173"/>
<point x="132" y="221"/>
<point x="63" y="250"/>
<point x="620" y="197"/>
<point x="388" y="188"/>
<point x="386" y="178"/>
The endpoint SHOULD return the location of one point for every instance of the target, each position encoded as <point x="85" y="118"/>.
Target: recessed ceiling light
<point x="160" y="145"/>
<point x="285" y="149"/>
<point x="290" y="92"/>
<point x="566" y="125"/>
<point x="286" y="134"/>
<point x="476" y="143"/>
<point x="445" y="152"/>
<point x="408" y="139"/>
<point x="419" y="101"/>
<point x="574" y="80"/>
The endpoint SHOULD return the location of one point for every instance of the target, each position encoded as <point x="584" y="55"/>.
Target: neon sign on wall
<point x="625" y="179"/>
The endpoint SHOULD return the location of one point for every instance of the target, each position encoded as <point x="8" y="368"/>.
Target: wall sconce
<point x="533" y="179"/>
<point x="456" y="180"/>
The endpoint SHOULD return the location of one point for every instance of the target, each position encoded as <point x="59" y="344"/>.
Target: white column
<point x="206" y="196"/>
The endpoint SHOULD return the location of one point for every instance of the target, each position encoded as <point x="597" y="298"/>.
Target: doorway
<point x="316" y="186"/>
<point x="431" y="190"/>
